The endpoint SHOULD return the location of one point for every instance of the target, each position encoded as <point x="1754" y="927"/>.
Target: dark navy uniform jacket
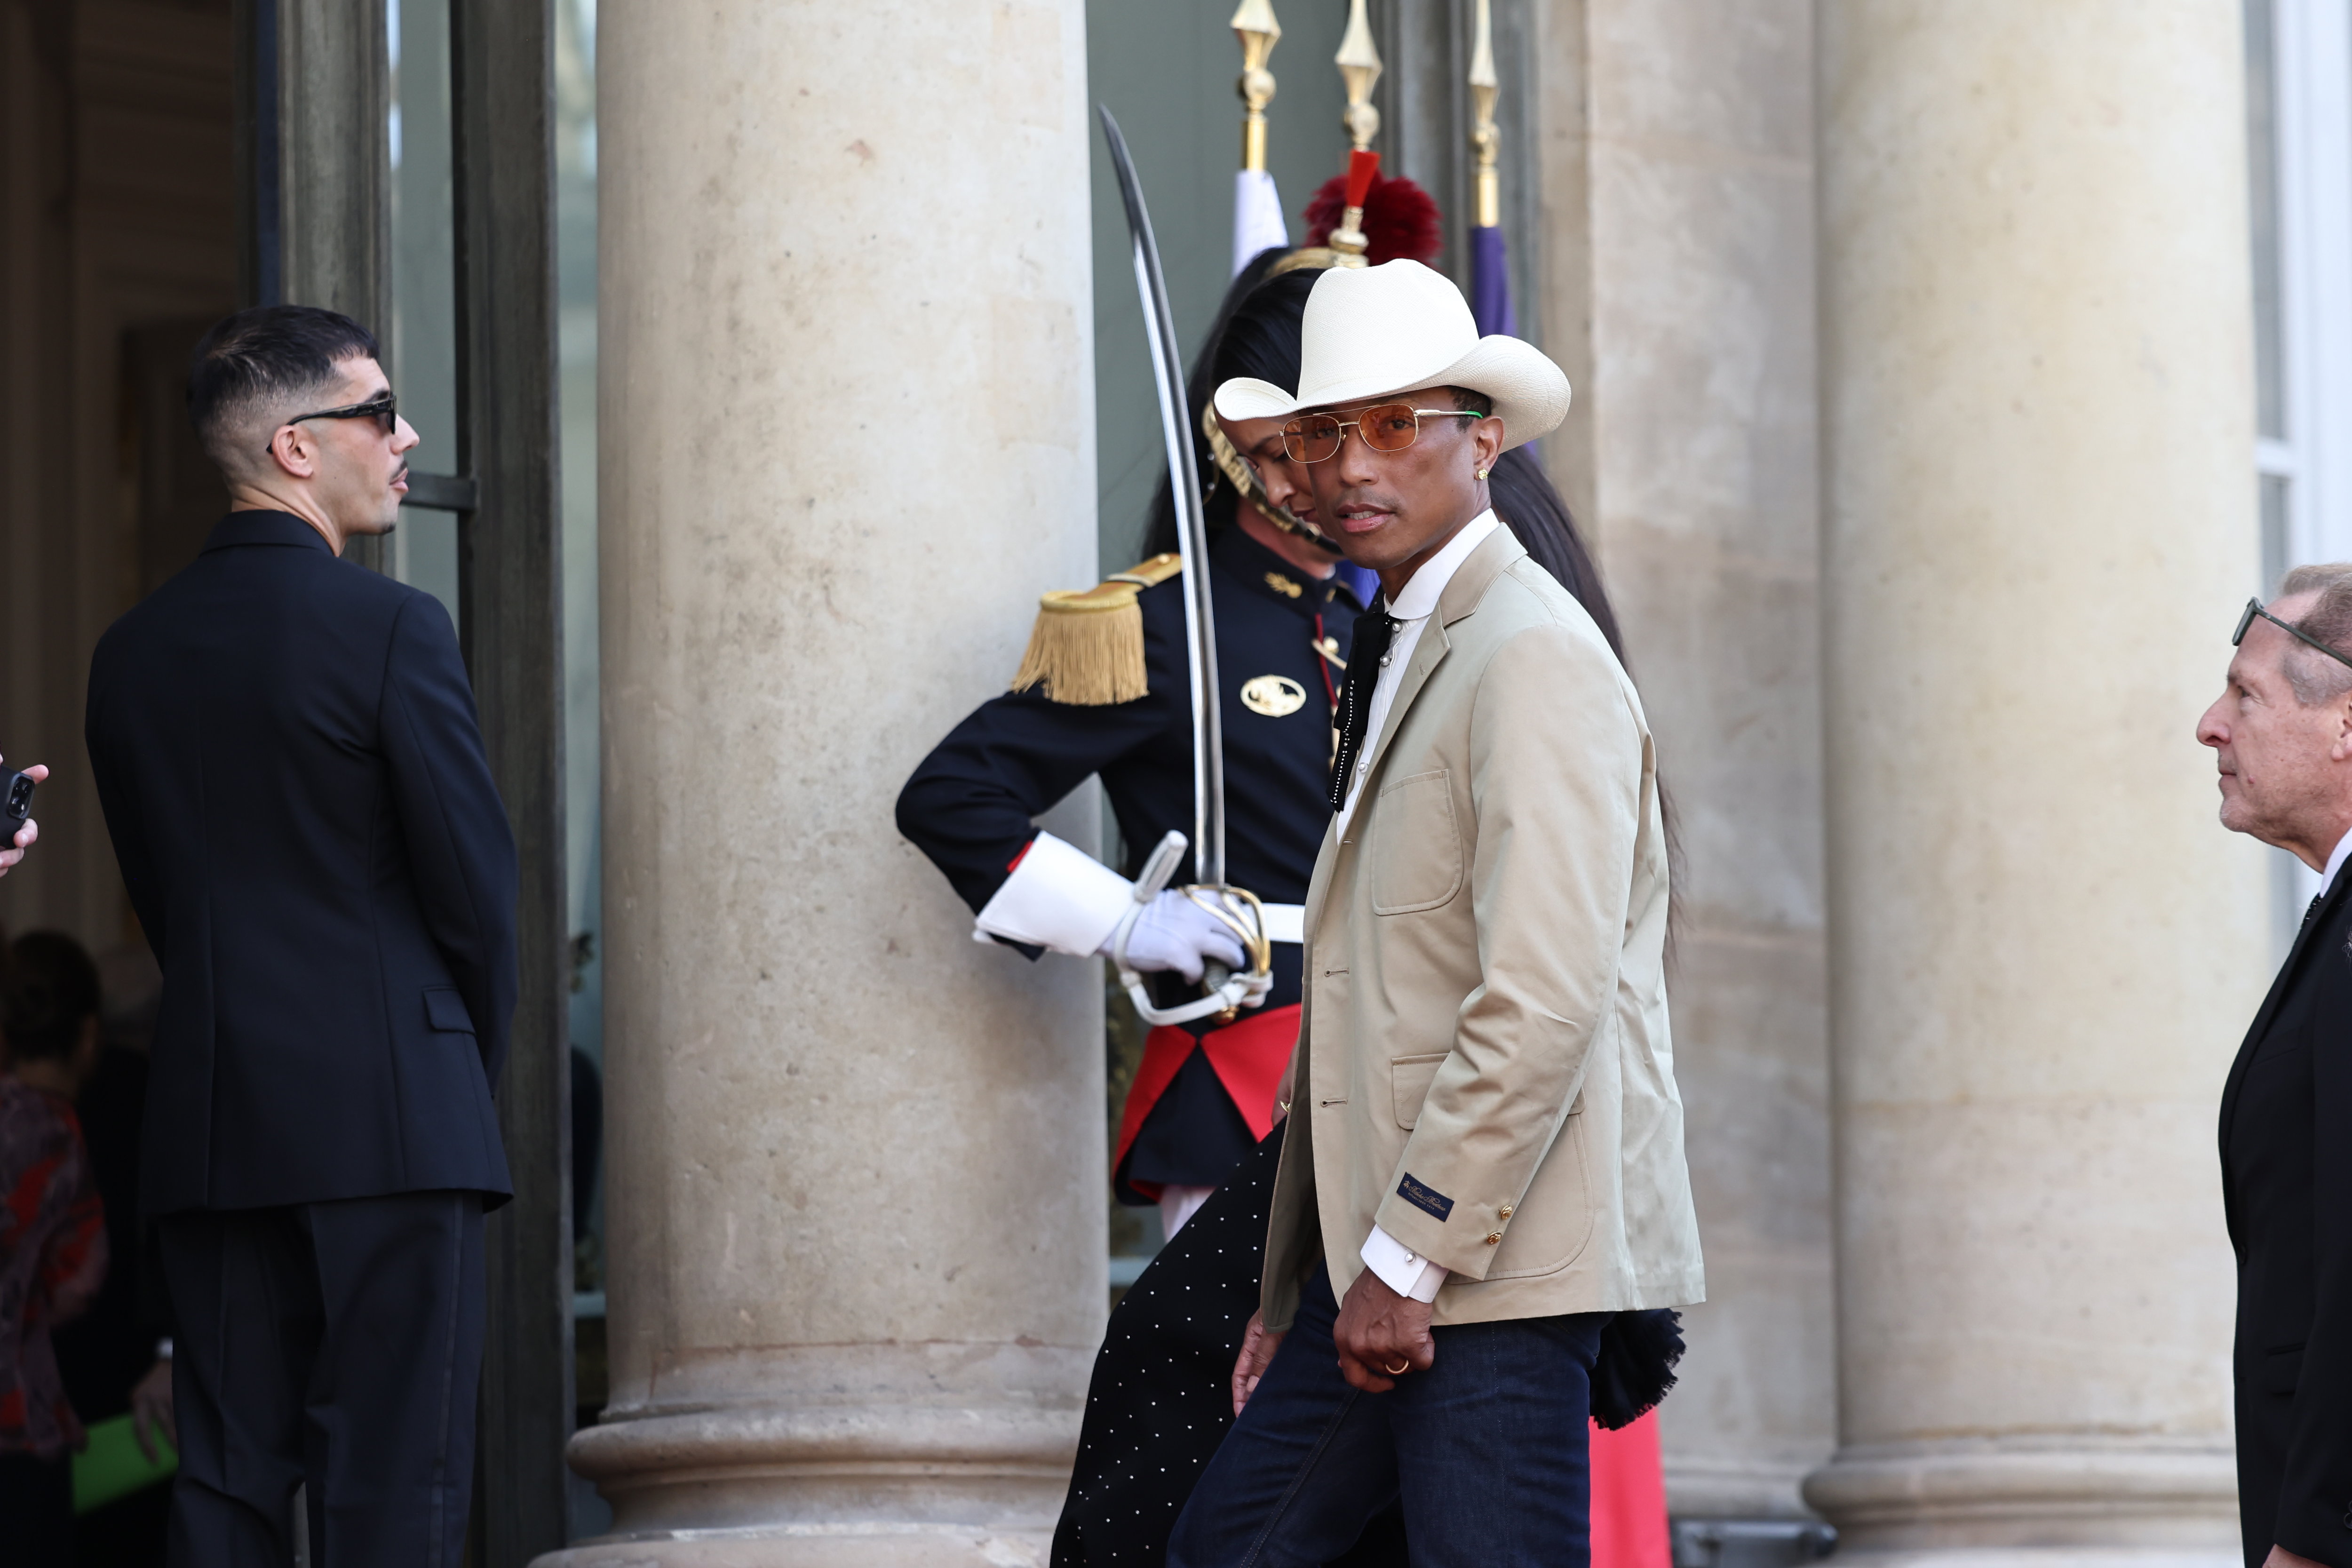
<point x="285" y="748"/>
<point x="970" y="804"/>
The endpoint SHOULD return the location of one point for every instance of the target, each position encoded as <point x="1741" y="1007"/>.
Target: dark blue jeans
<point x="1486" y="1449"/>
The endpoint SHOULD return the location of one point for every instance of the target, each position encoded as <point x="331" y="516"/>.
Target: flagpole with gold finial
<point x="1358" y="61"/>
<point x="1485" y="141"/>
<point x="1257" y="208"/>
<point x="1254" y="26"/>
<point x="1490" y="282"/>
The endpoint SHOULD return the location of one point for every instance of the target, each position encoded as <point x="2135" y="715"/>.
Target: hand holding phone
<point x="17" y="811"/>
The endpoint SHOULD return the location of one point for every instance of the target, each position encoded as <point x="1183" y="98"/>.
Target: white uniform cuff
<point x="1405" y="1272"/>
<point x="1059" y="897"/>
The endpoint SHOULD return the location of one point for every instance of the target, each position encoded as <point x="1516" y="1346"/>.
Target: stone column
<point x="856" y="1258"/>
<point x="1678" y="255"/>
<point x="2039" y="525"/>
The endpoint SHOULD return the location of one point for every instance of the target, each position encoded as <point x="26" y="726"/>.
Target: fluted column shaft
<point x="2040" y="525"/>
<point x="856" y="1261"/>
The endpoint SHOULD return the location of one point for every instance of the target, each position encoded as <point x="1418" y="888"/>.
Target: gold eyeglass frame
<point x="1290" y="433"/>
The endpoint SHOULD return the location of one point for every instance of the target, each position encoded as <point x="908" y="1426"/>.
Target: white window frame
<point x="2312" y="104"/>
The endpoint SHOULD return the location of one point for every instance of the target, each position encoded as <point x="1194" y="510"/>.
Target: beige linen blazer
<point x="1483" y="1067"/>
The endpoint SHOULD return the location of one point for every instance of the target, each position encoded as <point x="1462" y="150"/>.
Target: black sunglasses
<point x="2254" y="607"/>
<point x="385" y="409"/>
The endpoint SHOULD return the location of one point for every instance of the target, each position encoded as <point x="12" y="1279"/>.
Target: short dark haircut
<point x="48" y="993"/>
<point x="1471" y="402"/>
<point x="264" y="356"/>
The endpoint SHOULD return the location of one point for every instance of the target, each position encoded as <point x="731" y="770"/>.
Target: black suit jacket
<point x="2286" y="1186"/>
<point x="286" y="747"/>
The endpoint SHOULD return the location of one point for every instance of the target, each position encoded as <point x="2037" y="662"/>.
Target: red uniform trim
<point x="1249" y="1059"/>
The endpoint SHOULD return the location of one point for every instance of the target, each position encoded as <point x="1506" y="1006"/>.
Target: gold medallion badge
<point x="1282" y="585"/>
<point x="1275" y="695"/>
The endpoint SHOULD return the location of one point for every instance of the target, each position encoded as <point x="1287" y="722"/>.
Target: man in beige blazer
<point x="1484" y="1153"/>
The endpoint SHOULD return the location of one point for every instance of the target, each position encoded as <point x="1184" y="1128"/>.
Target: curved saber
<point x="1192" y="527"/>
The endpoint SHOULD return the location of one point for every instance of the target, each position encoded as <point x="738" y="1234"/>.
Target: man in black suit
<point x="287" y="751"/>
<point x="2281" y="733"/>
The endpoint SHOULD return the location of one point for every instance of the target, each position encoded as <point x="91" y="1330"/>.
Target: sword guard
<point x="1240" y="912"/>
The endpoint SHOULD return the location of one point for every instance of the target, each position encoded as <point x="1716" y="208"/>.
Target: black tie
<point x="1375" y="630"/>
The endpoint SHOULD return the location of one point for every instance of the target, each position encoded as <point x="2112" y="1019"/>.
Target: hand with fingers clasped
<point x="1382" y="1335"/>
<point x="1257" y="1354"/>
<point x="1175" y="933"/>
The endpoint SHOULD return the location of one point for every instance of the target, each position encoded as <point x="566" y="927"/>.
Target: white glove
<point x="1174" y="932"/>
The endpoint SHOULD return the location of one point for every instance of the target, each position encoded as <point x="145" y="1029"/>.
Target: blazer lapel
<point x="2321" y="918"/>
<point x="1426" y="653"/>
<point x="1469" y="584"/>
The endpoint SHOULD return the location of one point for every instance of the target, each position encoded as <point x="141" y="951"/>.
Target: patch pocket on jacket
<point x="2282" y="1369"/>
<point x="1409" y="1081"/>
<point x="1416" y="850"/>
<point x="445" y="1009"/>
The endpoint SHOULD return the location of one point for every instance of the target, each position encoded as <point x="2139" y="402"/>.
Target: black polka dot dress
<point x="1161" y="1396"/>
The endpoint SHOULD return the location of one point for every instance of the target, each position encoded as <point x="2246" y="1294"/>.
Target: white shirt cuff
<point x="1406" y="1273"/>
<point x="1060" y="898"/>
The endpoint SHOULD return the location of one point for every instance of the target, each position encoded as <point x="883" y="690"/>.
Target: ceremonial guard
<point x="1103" y="689"/>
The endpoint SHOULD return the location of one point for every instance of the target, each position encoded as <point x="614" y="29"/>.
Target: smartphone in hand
<point x="15" y="806"/>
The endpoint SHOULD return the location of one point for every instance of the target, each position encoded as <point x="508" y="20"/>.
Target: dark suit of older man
<point x="2286" y="1183"/>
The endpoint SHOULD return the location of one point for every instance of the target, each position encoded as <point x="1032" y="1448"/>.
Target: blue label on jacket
<point x="1429" y="1200"/>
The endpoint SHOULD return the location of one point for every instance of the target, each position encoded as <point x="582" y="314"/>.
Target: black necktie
<point x="1375" y="630"/>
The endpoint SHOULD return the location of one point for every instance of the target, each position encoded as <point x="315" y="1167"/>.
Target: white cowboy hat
<point x="1374" y="331"/>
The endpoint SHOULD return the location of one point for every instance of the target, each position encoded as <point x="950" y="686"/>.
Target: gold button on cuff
<point x="1493" y="1236"/>
<point x="1507" y="1211"/>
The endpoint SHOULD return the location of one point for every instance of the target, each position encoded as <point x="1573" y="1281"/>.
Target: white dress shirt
<point x="2336" y="862"/>
<point x="1414" y="606"/>
<point x="1404" y="1271"/>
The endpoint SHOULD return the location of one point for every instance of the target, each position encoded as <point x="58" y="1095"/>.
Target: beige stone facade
<point x="1914" y="430"/>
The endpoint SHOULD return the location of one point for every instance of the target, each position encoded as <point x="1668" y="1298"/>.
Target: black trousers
<point x="334" y="1344"/>
<point x="37" y="1517"/>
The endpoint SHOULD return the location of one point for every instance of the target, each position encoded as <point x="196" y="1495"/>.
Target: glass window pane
<point x="2262" y="201"/>
<point x="575" y="261"/>
<point x="423" y="340"/>
<point x="2275" y="531"/>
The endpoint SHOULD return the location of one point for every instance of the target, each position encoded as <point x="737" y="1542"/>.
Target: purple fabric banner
<point x="1490" y="284"/>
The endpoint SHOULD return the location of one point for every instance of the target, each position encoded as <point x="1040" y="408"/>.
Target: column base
<point x="826" y="1488"/>
<point x="874" y="1546"/>
<point x="2012" y="1502"/>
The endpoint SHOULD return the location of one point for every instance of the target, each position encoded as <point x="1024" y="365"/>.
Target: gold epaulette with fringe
<point x="1087" y="649"/>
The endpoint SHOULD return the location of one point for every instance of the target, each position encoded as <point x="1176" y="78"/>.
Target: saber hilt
<point x="1237" y="908"/>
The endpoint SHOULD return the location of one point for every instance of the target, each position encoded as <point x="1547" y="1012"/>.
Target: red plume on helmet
<point x="1400" y="220"/>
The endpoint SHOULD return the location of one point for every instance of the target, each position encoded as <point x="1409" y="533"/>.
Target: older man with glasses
<point x="2281" y="735"/>
<point x="285" y="748"/>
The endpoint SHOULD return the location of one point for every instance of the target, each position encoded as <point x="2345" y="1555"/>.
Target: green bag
<point x="113" y="1467"/>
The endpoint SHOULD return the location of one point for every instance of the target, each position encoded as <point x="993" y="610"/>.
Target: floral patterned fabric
<point x="52" y="1261"/>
